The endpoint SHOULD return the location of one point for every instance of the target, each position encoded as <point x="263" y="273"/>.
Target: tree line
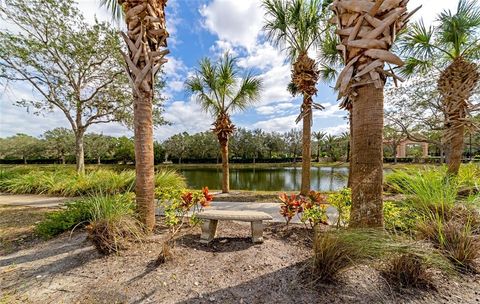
<point x="58" y="145"/>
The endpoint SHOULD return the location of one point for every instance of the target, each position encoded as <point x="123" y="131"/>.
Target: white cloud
<point x="185" y="116"/>
<point x="262" y="56"/>
<point x="238" y="22"/>
<point x="430" y="9"/>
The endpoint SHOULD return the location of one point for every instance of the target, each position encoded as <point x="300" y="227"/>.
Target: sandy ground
<point x="67" y="269"/>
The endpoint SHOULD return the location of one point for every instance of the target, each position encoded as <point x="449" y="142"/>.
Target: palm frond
<point x="248" y="93"/>
<point x="115" y="8"/>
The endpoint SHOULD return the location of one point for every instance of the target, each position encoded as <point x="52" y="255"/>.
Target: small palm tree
<point x="146" y="39"/>
<point x="366" y="33"/>
<point x="297" y="26"/>
<point x="451" y="46"/>
<point x="220" y="91"/>
<point x="319" y="137"/>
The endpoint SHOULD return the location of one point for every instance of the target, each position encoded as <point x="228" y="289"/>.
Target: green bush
<point x="400" y="217"/>
<point x="83" y="211"/>
<point x="342" y="200"/>
<point x="73" y="214"/>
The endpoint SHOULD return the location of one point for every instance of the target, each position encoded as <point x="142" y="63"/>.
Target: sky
<point x="207" y="28"/>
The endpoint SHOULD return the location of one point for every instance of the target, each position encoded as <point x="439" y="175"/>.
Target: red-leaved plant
<point x="310" y="208"/>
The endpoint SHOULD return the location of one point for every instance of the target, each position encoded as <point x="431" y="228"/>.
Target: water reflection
<point x="268" y="179"/>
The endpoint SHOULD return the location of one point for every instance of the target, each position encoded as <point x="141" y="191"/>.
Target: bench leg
<point x="257" y="232"/>
<point x="209" y="228"/>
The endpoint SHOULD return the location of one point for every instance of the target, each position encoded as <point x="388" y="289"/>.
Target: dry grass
<point x="407" y="271"/>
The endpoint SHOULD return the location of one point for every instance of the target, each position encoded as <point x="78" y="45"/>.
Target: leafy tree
<point x="177" y="146"/>
<point x="125" y="149"/>
<point x="21" y="146"/>
<point x="293" y="139"/>
<point x="99" y="145"/>
<point x="72" y="66"/>
<point x="296" y="26"/>
<point x="366" y="31"/>
<point x="451" y="46"/>
<point x="392" y="137"/>
<point x="61" y="141"/>
<point x="146" y="39"/>
<point x="219" y="90"/>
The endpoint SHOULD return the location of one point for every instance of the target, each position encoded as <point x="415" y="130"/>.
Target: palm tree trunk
<point x="225" y="170"/>
<point x="366" y="164"/>
<point x="306" y="150"/>
<point x="79" y="152"/>
<point x="350" y="145"/>
<point x="456" y="144"/>
<point x="144" y="159"/>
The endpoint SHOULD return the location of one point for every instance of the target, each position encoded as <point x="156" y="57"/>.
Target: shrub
<point x="177" y="205"/>
<point x="400" y="217"/>
<point x="112" y="223"/>
<point x="56" y="222"/>
<point x="311" y="208"/>
<point x="406" y="271"/>
<point x="341" y="200"/>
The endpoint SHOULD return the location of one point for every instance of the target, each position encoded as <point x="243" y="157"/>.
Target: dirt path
<point x="230" y="270"/>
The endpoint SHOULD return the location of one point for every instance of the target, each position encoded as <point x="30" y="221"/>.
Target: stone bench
<point x="211" y="218"/>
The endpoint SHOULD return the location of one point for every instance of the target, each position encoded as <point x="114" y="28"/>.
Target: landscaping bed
<point x="68" y="269"/>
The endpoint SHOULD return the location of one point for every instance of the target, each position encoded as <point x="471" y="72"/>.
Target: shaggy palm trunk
<point x="145" y="38"/>
<point x="456" y="85"/>
<point x="306" y="151"/>
<point x="305" y="76"/>
<point x="366" y="163"/>
<point x="225" y="169"/>
<point x="367" y="30"/>
<point x="79" y="152"/>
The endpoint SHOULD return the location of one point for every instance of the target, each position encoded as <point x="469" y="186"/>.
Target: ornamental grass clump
<point x="408" y="270"/>
<point x="113" y="225"/>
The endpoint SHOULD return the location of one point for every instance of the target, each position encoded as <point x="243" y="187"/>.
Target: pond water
<point x="268" y="179"/>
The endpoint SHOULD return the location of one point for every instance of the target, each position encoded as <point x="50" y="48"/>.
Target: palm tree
<point x="366" y="32"/>
<point x="319" y="137"/>
<point x="219" y="90"/>
<point x="454" y="43"/>
<point x="297" y="26"/>
<point x="146" y="39"/>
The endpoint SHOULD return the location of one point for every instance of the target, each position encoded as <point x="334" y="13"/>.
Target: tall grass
<point x="66" y="182"/>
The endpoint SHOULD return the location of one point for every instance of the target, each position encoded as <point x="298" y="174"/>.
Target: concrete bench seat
<point x="211" y="217"/>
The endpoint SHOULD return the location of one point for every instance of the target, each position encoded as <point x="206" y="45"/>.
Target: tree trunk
<point x="225" y="170"/>
<point x="79" y="152"/>
<point x="24" y="160"/>
<point x="306" y="151"/>
<point x="350" y="119"/>
<point x="456" y="144"/>
<point x="99" y="161"/>
<point x="144" y="159"/>
<point x="367" y="164"/>
<point x="62" y="158"/>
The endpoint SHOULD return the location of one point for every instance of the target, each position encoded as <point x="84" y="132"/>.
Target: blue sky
<point x="200" y="28"/>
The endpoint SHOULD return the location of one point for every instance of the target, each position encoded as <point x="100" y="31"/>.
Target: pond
<point x="268" y="179"/>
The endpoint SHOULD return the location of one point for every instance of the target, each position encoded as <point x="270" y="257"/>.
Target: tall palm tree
<point x="319" y="137"/>
<point x="146" y="39"/>
<point x="452" y="46"/>
<point x="297" y="25"/>
<point x="220" y="91"/>
<point x="367" y="30"/>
